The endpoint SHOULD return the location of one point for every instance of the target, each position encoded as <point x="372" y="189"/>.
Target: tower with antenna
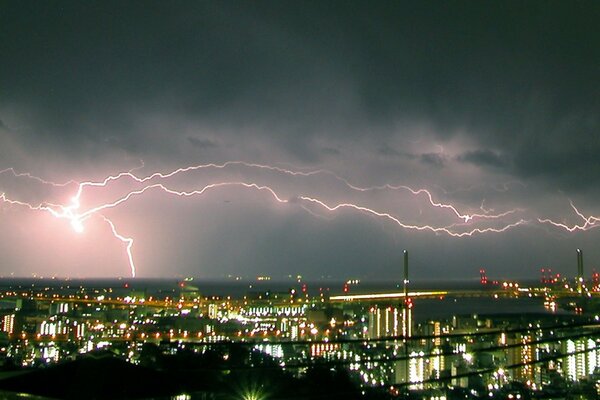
<point x="407" y="308"/>
<point x="406" y="316"/>
<point x="405" y="282"/>
<point x="579" y="271"/>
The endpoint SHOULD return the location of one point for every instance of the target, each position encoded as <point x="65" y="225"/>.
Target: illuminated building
<point x="523" y="354"/>
<point x="437" y="331"/>
<point x="59" y="308"/>
<point x="271" y="310"/>
<point x="326" y="350"/>
<point x="286" y="317"/>
<point x="413" y="369"/>
<point x="437" y="363"/>
<point x="416" y="370"/>
<point x="389" y="321"/>
<point x="79" y="330"/>
<point x="582" y="360"/>
<point x="383" y="322"/>
<point x="8" y="323"/>
<point x="50" y="352"/>
<point x="213" y="311"/>
<point x="527" y="351"/>
<point x="274" y="350"/>
<point x="50" y="328"/>
<point x="294" y="332"/>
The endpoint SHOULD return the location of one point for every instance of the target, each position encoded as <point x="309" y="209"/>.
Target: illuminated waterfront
<point x="478" y="337"/>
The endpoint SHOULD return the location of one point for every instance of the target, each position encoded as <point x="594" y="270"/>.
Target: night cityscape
<point x="305" y="199"/>
<point x="165" y="339"/>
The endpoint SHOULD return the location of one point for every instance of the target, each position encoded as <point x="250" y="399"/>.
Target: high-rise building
<point x="523" y="354"/>
<point x="384" y="321"/>
<point x="414" y="368"/>
<point x="389" y="321"/>
<point x="437" y="331"/>
<point x="213" y="311"/>
<point x="8" y="323"/>
<point x="437" y="363"/>
<point x="582" y="359"/>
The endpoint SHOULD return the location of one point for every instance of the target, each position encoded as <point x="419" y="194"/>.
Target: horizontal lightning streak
<point x="181" y="194"/>
<point x="77" y="217"/>
<point x="454" y="210"/>
<point x="416" y="192"/>
<point x="589" y="222"/>
<point x="408" y="226"/>
<point x="36" y="178"/>
<point x="129" y="174"/>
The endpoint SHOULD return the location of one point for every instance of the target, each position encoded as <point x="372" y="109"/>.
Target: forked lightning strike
<point x="390" y="217"/>
<point x="35" y="178"/>
<point x="76" y="216"/>
<point x="416" y="192"/>
<point x="590" y="222"/>
<point x="126" y="240"/>
<point x="161" y="175"/>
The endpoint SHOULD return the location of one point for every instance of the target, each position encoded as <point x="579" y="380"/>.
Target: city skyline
<point x="298" y="139"/>
<point x="494" y="341"/>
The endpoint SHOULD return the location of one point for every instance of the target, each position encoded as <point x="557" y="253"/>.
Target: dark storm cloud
<point x="502" y="72"/>
<point x="388" y="151"/>
<point x="331" y="151"/>
<point x="433" y="159"/>
<point x="484" y="158"/>
<point x="202" y="143"/>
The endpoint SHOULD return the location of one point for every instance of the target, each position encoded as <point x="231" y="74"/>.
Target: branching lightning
<point x="390" y="217"/>
<point x="590" y="222"/>
<point x="77" y="215"/>
<point x="16" y="174"/>
<point x="416" y="192"/>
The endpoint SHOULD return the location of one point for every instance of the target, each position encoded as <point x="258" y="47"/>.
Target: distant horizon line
<point x="473" y="279"/>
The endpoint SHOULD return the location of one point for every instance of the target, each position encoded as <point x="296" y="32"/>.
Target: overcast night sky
<point x="492" y="107"/>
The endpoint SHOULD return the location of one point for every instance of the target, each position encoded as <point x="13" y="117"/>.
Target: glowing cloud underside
<point x="77" y="215"/>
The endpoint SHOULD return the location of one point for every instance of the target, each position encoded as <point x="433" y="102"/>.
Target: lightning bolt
<point x="432" y="202"/>
<point x="16" y="174"/>
<point x="126" y="240"/>
<point x="589" y="222"/>
<point x="416" y="192"/>
<point x="77" y="216"/>
<point x="409" y="226"/>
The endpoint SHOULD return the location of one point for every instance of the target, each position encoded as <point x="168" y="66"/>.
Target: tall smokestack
<point x="579" y="271"/>
<point x="405" y="319"/>
<point x="405" y="274"/>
